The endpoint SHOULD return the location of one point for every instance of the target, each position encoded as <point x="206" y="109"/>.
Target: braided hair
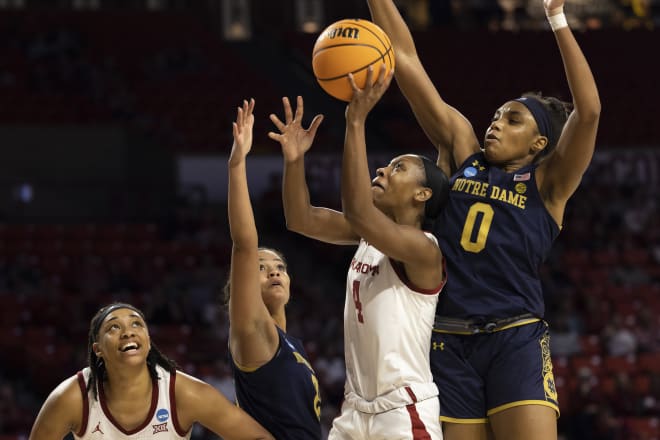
<point x="97" y="365"/>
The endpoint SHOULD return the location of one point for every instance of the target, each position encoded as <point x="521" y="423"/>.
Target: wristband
<point x="557" y="21"/>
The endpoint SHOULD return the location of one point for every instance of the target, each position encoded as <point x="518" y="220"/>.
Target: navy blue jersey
<point x="283" y="394"/>
<point x="495" y="232"/>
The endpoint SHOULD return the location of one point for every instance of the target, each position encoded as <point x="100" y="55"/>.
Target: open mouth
<point x="129" y="347"/>
<point x="377" y="185"/>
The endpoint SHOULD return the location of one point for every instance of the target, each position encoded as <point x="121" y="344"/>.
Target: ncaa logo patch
<point x="470" y="172"/>
<point x="162" y="415"/>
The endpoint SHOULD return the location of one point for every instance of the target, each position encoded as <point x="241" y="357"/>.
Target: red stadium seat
<point x="620" y="364"/>
<point x="649" y="362"/>
<point x="642" y="428"/>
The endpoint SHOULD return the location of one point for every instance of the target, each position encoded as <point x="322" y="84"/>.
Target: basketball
<point x="349" y="46"/>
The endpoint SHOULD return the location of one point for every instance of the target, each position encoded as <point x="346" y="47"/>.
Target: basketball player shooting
<point x="393" y="280"/>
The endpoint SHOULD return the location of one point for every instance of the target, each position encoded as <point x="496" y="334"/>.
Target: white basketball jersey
<point x="387" y="334"/>
<point x="161" y="422"/>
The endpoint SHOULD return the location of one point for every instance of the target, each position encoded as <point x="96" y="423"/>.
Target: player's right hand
<point x="293" y="137"/>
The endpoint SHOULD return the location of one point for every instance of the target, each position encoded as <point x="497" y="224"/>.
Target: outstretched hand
<point x="365" y="99"/>
<point x="242" y="130"/>
<point x="294" y="139"/>
<point x="550" y="5"/>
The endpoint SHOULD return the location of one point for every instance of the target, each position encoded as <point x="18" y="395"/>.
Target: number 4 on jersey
<point x="356" y="301"/>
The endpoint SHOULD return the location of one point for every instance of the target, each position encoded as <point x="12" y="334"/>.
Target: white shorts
<point x="417" y="421"/>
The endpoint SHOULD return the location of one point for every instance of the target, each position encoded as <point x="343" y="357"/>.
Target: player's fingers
<point x="381" y="73"/>
<point x="239" y="116"/>
<point x="315" y="124"/>
<point x="300" y="109"/>
<point x="351" y="81"/>
<point x="370" y="76"/>
<point x="388" y="77"/>
<point x="288" y="114"/>
<point x="279" y="124"/>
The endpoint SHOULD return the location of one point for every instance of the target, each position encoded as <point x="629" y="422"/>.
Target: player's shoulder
<point x="67" y="397"/>
<point x="186" y="385"/>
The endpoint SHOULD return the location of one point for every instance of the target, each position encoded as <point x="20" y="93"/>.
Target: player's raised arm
<point x="323" y="224"/>
<point x="253" y="338"/>
<point x="449" y="131"/>
<point x="393" y="227"/>
<point x="562" y="172"/>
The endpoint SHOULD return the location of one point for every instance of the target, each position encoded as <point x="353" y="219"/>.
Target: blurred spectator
<point x="219" y="376"/>
<point x="647" y="331"/>
<point x="619" y="338"/>
<point x="623" y="399"/>
<point x="636" y="14"/>
<point x="565" y="341"/>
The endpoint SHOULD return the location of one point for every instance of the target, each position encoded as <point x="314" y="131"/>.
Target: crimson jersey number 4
<point x="356" y="301"/>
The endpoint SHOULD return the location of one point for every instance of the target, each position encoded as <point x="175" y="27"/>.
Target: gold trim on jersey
<point x="246" y="369"/>
<point x="501" y="408"/>
<point x="463" y="421"/>
<point x="498" y="329"/>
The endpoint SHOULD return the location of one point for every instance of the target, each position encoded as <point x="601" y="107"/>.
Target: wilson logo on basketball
<point x="350" y="46"/>
<point x="344" y="32"/>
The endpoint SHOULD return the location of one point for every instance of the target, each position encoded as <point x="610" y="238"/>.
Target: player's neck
<point x="127" y="383"/>
<point x="280" y="319"/>
<point x="408" y="218"/>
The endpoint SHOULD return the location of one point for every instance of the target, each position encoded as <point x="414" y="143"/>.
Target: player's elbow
<point x="589" y="112"/>
<point x="355" y="217"/>
<point x="296" y="225"/>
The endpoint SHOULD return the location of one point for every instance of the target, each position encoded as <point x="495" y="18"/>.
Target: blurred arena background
<point x="115" y="121"/>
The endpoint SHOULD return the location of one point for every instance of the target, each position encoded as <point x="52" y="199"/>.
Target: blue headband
<point x="541" y="117"/>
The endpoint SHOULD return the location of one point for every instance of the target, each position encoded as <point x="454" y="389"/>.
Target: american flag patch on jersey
<point x="521" y="177"/>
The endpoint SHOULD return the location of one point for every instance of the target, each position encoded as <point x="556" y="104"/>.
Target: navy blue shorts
<point x="480" y="375"/>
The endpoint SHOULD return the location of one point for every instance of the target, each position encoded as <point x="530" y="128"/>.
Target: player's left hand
<point x="293" y="137"/>
<point x="242" y="130"/>
<point x="550" y="5"/>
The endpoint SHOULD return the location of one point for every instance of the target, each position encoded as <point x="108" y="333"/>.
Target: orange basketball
<point x="349" y="46"/>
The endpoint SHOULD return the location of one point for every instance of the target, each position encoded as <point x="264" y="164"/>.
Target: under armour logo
<point x="98" y="428"/>
<point x="440" y="346"/>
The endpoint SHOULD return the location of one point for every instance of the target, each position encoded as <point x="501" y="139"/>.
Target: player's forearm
<point x="355" y="184"/>
<point x="386" y="15"/>
<point x="579" y="76"/>
<point x="295" y="197"/>
<point x="242" y="227"/>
